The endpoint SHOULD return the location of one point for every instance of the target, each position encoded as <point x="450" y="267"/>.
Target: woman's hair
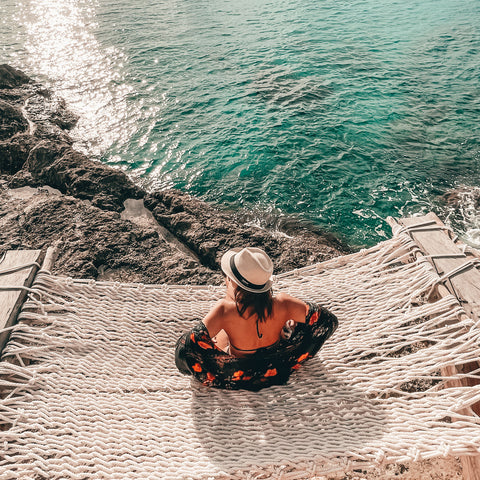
<point x="260" y="304"/>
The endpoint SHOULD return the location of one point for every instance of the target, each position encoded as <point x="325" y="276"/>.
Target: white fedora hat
<point x="250" y="268"/>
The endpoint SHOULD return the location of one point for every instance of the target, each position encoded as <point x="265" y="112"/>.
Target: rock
<point x="62" y="117"/>
<point x="75" y="174"/>
<point x="12" y="121"/>
<point x="57" y="164"/>
<point x="14" y="152"/>
<point x="21" y="179"/>
<point x="11" y="77"/>
<point x="49" y="113"/>
<point x="42" y="155"/>
<point x="462" y="196"/>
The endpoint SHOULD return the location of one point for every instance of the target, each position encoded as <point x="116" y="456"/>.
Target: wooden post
<point x="434" y="241"/>
<point x="12" y="300"/>
<point x="50" y="257"/>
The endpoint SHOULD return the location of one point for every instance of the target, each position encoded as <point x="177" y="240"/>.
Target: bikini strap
<point x="259" y="335"/>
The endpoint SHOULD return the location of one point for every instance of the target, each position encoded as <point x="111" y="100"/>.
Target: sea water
<point x="336" y="112"/>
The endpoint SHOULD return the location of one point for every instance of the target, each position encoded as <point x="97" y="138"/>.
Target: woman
<point x="251" y="339"/>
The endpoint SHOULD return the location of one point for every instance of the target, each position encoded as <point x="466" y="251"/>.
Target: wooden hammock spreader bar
<point x="461" y="278"/>
<point x="17" y="272"/>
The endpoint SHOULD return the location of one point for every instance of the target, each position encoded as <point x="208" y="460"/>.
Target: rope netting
<point x="90" y="388"/>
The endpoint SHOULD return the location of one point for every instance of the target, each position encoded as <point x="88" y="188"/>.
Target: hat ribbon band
<point x="242" y="279"/>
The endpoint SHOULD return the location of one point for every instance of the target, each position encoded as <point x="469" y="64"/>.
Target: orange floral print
<point x="196" y="353"/>
<point x="197" y="368"/>
<point x="313" y="318"/>
<point x="303" y="357"/>
<point x="238" y="375"/>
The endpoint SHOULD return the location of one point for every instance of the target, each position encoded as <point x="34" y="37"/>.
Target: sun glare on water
<point x="62" y="47"/>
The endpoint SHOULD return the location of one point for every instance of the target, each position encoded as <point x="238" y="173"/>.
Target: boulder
<point x="10" y="77"/>
<point x="12" y="120"/>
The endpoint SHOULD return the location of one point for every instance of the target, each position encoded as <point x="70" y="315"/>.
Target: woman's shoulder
<point x="283" y="298"/>
<point x="219" y="316"/>
<point x="290" y="306"/>
<point x="223" y="307"/>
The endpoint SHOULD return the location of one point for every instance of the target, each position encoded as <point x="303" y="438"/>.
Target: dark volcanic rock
<point x="60" y="166"/>
<point x="50" y="113"/>
<point x="21" y="179"/>
<point x="209" y="232"/>
<point x="12" y="120"/>
<point x="11" y="77"/>
<point x="46" y="155"/>
<point x="15" y="151"/>
<point x="46" y="151"/>
<point x="42" y="155"/>
<point x="62" y="117"/>
<point x="462" y="195"/>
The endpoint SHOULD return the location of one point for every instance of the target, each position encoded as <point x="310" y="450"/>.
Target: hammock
<point x="90" y="388"/>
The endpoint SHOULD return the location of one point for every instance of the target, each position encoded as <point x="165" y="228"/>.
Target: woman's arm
<point x="214" y="320"/>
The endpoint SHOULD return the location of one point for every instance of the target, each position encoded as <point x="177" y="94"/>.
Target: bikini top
<point x="252" y="350"/>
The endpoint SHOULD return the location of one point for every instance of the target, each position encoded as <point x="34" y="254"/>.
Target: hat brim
<point x="225" y="265"/>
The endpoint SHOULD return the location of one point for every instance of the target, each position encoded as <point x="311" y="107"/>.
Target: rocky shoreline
<point x="104" y="225"/>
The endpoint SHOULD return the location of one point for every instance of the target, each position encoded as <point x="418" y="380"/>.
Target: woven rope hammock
<point x="90" y="388"/>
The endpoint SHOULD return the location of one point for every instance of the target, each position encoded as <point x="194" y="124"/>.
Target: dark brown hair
<point x="260" y="304"/>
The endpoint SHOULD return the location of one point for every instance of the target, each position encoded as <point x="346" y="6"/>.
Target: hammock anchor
<point x="458" y="277"/>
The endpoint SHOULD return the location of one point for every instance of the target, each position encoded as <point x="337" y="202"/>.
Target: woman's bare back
<point x="246" y="334"/>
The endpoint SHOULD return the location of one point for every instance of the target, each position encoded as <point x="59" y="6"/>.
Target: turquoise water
<point x="338" y="112"/>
